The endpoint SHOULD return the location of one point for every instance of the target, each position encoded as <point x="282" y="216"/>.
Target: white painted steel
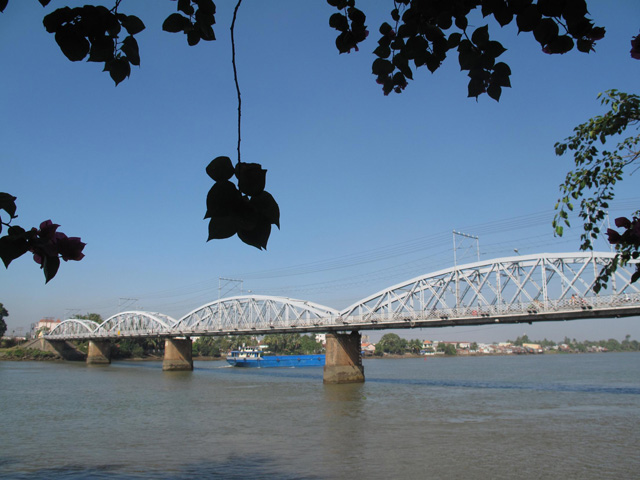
<point x="254" y="312"/>
<point x="527" y="288"/>
<point x="511" y="286"/>
<point x="72" y="328"/>
<point x="124" y="324"/>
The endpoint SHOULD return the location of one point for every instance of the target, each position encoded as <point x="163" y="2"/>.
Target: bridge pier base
<point x="99" y="352"/>
<point x="178" y="355"/>
<point x="343" y="360"/>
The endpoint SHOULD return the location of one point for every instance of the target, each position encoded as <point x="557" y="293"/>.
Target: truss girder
<point x="512" y="289"/>
<point x="135" y="324"/>
<point x="521" y="285"/>
<point x="72" y="328"/>
<point x="254" y="313"/>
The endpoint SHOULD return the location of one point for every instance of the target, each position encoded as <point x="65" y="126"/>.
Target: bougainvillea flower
<point x="70" y="248"/>
<point x="614" y="237"/>
<point x="47" y="230"/>
<point x="622" y="222"/>
<point x="635" y="47"/>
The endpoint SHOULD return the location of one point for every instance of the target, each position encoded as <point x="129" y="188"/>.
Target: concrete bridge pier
<point x="178" y="355"/>
<point x="343" y="360"/>
<point x="99" y="352"/>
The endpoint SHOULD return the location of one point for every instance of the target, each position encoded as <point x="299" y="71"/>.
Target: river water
<point x="547" y="416"/>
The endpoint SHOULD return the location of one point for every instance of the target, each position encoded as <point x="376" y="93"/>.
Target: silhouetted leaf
<point x="185" y="7"/>
<point x="382" y="51"/>
<point x="495" y="49"/>
<point x="461" y="22"/>
<point x="257" y="236"/>
<point x="193" y="37"/>
<point x="50" y="265"/>
<point x="585" y="45"/>
<point x="223" y="199"/>
<point x="131" y="24"/>
<point x="251" y="178"/>
<point x="220" y="169"/>
<point x="546" y="31"/>
<point x="550" y="8"/>
<point x="266" y="205"/>
<point x="528" y="19"/>
<point x="206" y="6"/>
<point x="206" y="32"/>
<point x="222" y="227"/>
<point x="475" y="87"/>
<point x="205" y="18"/>
<point x="118" y="69"/>
<point x="381" y="67"/>
<point x="130" y="49"/>
<point x="176" y="23"/>
<point x="494" y="91"/>
<point x="480" y="36"/>
<point x="44" y="3"/>
<point x="561" y="44"/>
<point x="72" y="43"/>
<point x="8" y="204"/>
<point x="101" y="49"/>
<point x="55" y="19"/>
<point x="504" y="15"/>
<point x="3" y="5"/>
<point x="454" y="40"/>
<point x="13" y="245"/>
<point x="468" y="59"/>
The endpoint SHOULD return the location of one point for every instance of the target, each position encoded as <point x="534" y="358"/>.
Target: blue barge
<point x="252" y="357"/>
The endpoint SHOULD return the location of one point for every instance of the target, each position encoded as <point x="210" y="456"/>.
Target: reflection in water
<point x="345" y="418"/>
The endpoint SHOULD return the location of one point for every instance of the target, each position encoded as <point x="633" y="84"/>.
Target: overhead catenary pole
<point x="455" y="260"/>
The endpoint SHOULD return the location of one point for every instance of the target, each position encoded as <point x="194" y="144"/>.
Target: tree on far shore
<point x="3" y="325"/>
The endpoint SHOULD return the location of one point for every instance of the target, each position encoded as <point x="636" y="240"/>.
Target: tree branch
<point x="235" y="72"/>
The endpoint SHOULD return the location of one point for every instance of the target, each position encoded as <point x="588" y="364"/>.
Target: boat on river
<point x="253" y="357"/>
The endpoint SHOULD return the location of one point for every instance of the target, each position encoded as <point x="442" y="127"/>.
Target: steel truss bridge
<point x="528" y="288"/>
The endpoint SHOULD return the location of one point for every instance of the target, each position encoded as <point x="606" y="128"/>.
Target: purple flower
<point x="614" y="237"/>
<point x="622" y="222"/>
<point x="635" y="47"/>
<point x="70" y="248"/>
<point x="47" y="230"/>
<point x="49" y="243"/>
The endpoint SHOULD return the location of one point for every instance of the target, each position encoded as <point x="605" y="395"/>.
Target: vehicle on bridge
<point x="253" y="357"/>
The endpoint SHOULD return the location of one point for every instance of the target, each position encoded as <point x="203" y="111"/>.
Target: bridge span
<point x="518" y="289"/>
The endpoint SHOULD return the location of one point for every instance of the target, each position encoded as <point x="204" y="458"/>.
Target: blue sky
<point x="370" y="187"/>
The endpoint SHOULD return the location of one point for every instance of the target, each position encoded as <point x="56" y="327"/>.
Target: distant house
<point x="45" y="325"/>
<point x="368" y="348"/>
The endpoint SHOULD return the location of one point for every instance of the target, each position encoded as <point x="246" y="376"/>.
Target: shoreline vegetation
<point x="18" y="353"/>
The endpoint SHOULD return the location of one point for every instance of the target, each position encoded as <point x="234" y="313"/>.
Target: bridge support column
<point x="343" y="360"/>
<point x="99" y="352"/>
<point x="177" y="354"/>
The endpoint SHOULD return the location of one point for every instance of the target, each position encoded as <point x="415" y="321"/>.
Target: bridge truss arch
<point x="72" y="328"/>
<point x="512" y="289"/>
<point x="255" y="314"/>
<point x="135" y="324"/>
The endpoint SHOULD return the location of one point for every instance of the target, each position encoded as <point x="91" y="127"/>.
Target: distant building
<point x="368" y="348"/>
<point x="533" y="348"/>
<point x="45" y="325"/>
